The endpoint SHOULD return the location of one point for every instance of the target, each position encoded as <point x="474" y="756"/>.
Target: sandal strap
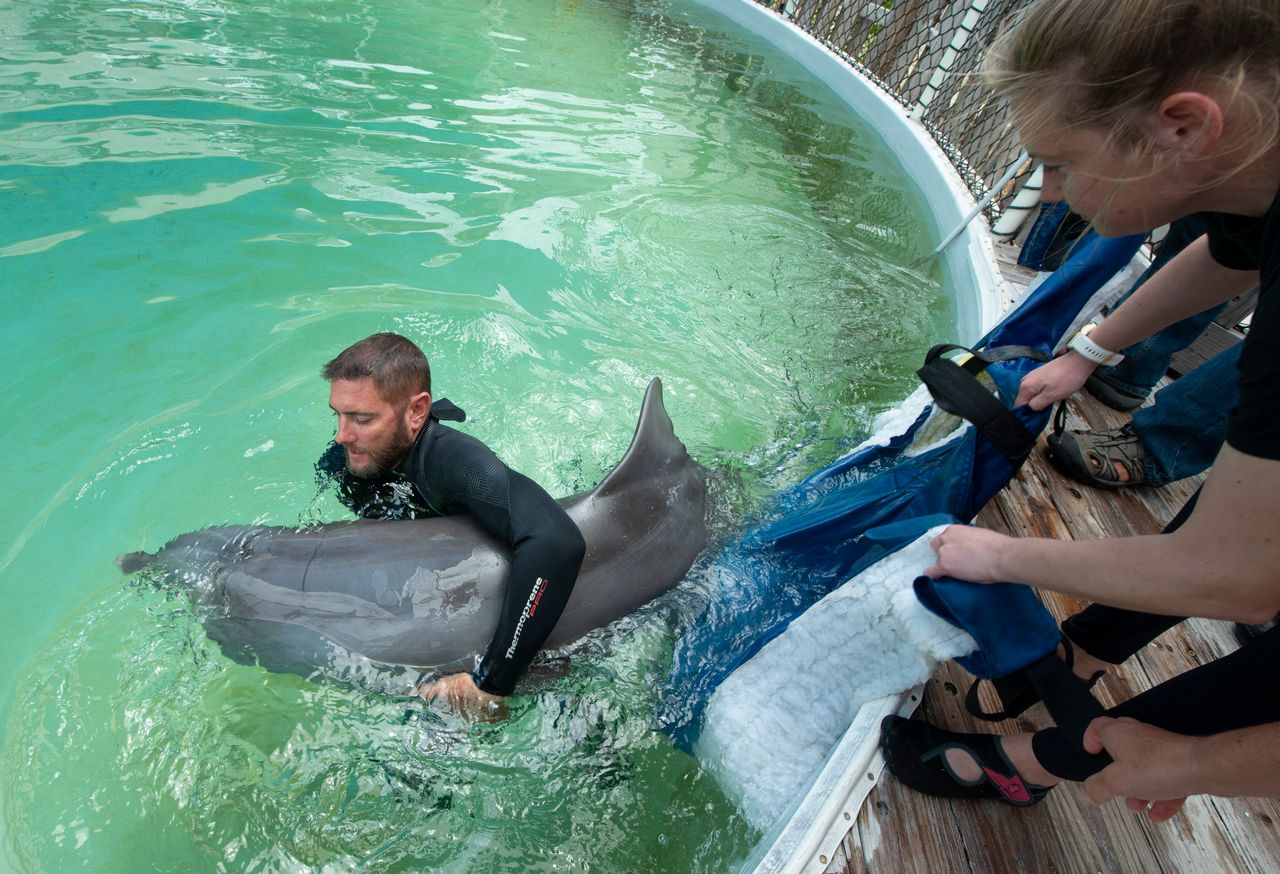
<point x="1015" y="691"/>
<point x="1120" y="446"/>
<point x="915" y="751"/>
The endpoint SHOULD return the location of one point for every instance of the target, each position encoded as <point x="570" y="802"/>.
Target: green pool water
<point x="201" y="201"/>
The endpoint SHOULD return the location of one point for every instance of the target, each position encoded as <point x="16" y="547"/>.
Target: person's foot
<point x="1017" y="695"/>
<point x="921" y="756"/>
<point x="1117" y="399"/>
<point x="1083" y="665"/>
<point x="1017" y="751"/>
<point x="1107" y="459"/>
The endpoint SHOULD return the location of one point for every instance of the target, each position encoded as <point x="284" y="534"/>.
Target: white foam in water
<point x="897" y="420"/>
<point x="773" y="721"/>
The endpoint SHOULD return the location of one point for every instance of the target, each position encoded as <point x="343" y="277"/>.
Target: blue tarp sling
<point x="846" y="517"/>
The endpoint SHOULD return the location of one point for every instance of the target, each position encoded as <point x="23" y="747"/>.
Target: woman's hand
<point x="967" y="553"/>
<point x="1052" y="382"/>
<point x="1144" y="770"/>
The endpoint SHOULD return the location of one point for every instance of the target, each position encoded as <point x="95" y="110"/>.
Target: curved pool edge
<point x="969" y="263"/>
<point x="806" y="838"/>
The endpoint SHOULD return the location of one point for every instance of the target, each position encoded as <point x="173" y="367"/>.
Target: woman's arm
<point x="1223" y="563"/>
<point x="1190" y="283"/>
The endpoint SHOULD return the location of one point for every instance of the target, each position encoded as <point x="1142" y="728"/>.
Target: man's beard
<point x="381" y="463"/>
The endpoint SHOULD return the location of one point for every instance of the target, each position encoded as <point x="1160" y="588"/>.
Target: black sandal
<point x="915" y="752"/>
<point x="1015" y="691"/>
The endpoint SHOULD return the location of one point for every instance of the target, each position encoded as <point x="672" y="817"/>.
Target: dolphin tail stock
<point x="655" y="445"/>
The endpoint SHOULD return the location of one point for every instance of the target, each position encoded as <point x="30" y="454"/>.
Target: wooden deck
<point x="901" y="831"/>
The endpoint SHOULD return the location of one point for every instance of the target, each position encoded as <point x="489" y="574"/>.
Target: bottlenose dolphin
<point x="425" y="593"/>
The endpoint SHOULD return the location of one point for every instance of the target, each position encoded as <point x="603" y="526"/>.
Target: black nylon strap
<point x="979" y="359"/>
<point x="1014" y="690"/>
<point x="1004" y="353"/>
<point x="1069" y="702"/>
<point x="955" y="388"/>
<point x="958" y="392"/>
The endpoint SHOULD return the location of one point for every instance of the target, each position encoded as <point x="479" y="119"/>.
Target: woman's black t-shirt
<point x="1246" y="243"/>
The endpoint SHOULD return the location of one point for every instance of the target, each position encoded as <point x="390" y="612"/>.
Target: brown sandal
<point x="1091" y="456"/>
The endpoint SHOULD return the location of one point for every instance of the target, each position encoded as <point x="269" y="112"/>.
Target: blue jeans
<point x="1147" y="361"/>
<point x="1183" y="431"/>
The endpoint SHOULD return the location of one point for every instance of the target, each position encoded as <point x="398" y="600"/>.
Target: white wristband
<point x="1082" y="345"/>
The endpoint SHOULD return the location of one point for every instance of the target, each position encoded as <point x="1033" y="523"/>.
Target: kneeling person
<point x="394" y="458"/>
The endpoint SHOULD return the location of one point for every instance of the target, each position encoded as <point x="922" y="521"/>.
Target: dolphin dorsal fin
<point x="654" y="448"/>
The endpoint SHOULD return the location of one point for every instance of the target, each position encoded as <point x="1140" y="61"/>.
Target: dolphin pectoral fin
<point x="280" y="647"/>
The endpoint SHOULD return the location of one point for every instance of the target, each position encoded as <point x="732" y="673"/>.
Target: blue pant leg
<point x="1038" y="245"/>
<point x="1182" y="433"/>
<point x="1147" y="361"/>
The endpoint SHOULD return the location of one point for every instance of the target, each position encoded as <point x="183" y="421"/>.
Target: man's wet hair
<point x="396" y="365"/>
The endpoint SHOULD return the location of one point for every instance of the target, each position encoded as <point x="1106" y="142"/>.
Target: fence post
<point x="961" y="36"/>
<point x="1022" y="205"/>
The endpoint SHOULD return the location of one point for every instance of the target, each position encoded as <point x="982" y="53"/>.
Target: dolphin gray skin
<point x="426" y="592"/>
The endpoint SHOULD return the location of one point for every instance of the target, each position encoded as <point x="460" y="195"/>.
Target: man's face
<point x="375" y="433"/>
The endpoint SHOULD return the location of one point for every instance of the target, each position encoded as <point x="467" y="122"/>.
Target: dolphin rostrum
<point x="427" y="592"/>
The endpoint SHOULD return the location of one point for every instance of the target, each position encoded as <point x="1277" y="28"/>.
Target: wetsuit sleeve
<point x="546" y="553"/>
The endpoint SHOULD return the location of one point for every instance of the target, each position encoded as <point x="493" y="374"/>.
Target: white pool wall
<point x="969" y="265"/>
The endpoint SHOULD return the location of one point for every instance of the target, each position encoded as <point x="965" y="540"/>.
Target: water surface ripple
<point x="203" y="200"/>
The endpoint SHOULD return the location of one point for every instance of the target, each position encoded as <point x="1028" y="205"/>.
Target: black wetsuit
<point x="447" y="473"/>
<point x="1234" y="691"/>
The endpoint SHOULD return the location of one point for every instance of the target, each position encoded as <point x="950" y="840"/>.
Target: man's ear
<point x="1189" y="120"/>
<point x="418" y="410"/>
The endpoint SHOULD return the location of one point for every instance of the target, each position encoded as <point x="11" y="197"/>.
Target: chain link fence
<point x="926" y="54"/>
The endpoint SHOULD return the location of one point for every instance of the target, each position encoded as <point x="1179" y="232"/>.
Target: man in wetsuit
<point x="393" y="458"/>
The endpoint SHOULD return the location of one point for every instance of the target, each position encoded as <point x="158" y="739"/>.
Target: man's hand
<point x="967" y="553"/>
<point x="1145" y="766"/>
<point x="464" y="696"/>
<point x="1060" y="378"/>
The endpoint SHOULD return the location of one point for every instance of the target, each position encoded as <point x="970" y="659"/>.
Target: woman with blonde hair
<point x="1144" y="111"/>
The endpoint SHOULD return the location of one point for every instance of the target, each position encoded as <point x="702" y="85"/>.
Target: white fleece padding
<point x="772" y="723"/>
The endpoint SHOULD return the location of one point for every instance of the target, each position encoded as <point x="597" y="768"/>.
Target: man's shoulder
<point x="449" y="443"/>
<point x="458" y="466"/>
